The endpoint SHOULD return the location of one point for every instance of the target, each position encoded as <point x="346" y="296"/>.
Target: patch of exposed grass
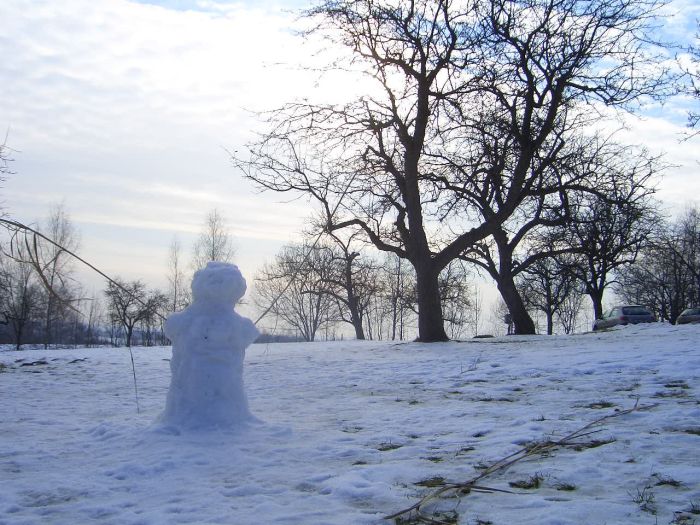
<point x="533" y="482"/>
<point x="437" y="517"/>
<point x="681" y="518"/>
<point x="497" y="399"/>
<point x="646" y="499"/>
<point x="435" y="459"/>
<point x="601" y="404"/>
<point x="629" y="388"/>
<point x="666" y="480"/>
<point x="594" y="443"/>
<point x="435" y="481"/>
<point x="387" y="446"/>
<point x="695" y="431"/>
<point x="566" y="487"/>
<point x="40" y="362"/>
<point x="677" y="384"/>
<point x="670" y="394"/>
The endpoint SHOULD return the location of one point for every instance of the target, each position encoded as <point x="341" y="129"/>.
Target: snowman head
<point x="218" y="282"/>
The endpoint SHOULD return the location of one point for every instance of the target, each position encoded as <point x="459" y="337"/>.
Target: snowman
<point x="209" y="340"/>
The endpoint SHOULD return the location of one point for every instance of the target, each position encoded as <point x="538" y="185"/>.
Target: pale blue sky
<point x="123" y="111"/>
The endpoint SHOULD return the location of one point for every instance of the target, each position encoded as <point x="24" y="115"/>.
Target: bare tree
<point x="178" y="292"/>
<point x="399" y="292"/>
<point x="608" y="235"/>
<point x="412" y="165"/>
<point x="477" y="309"/>
<point x="5" y="158"/>
<point x="568" y="312"/>
<point x="349" y="277"/>
<point x="130" y="303"/>
<point x="546" y="286"/>
<point x="20" y="298"/>
<point x="667" y="275"/>
<point x="294" y="289"/>
<point x="457" y="301"/>
<point x="692" y="72"/>
<point x="214" y="242"/>
<point x="151" y="325"/>
<point x="56" y="266"/>
<point x="94" y="317"/>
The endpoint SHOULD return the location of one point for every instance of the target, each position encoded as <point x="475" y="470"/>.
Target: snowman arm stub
<point x="249" y="332"/>
<point x="175" y="325"/>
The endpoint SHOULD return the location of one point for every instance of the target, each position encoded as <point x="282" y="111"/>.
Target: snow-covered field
<point x="350" y="430"/>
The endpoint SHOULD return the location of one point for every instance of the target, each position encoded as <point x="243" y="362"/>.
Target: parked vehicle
<point x="623" y="315"/>
<point x="689" y="315"/>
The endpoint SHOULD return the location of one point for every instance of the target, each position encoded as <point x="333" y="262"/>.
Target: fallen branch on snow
<point x="415" y="511"/>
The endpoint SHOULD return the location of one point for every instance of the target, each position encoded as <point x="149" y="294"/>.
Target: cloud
<point x="123" y="109"/>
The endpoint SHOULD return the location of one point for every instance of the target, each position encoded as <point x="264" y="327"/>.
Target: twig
<point x="503" y="464"/>
<point x="136" y="388"/>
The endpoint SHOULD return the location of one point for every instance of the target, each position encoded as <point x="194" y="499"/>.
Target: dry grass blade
<point x="501" y="465"/>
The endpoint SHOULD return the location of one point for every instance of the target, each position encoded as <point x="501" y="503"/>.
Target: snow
<point x="350" y="430"/>
<point x="209" y="341"/>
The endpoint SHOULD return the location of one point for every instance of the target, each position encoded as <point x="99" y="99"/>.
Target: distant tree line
<point x="312" y="289"/>
<point x="42" y="302"/>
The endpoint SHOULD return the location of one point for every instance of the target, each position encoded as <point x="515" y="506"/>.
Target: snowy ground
<point x="352" y="429"/>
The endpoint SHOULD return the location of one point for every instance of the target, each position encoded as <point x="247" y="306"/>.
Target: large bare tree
<point x="411" y="164"/>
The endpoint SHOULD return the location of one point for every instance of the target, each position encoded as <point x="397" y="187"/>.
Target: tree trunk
<point x="431" y="327"/>
<point x="129" y="333"/>
<point x="550" y="322"/>
<point x="356" y="320"/>
<point x="597" y="300"/>
<point x="353" y="305"/>
<point x="521" y="318"/>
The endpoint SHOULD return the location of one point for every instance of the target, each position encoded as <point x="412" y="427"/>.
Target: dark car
<point x="689" y="315"/>
<point x="622" y="315"/>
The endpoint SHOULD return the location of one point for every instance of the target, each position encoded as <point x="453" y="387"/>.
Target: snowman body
<point x="209" y="340"/>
